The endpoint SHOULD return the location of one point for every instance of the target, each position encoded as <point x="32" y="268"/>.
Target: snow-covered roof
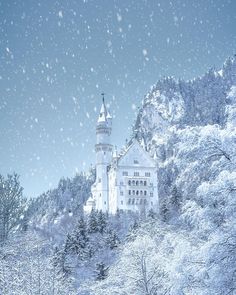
<point x="138" y="152"/>
<point x="101" y="118"/>
<point x="103" y="109"/>
<point x="109" y="115"/>
<point x="104" y="115"/>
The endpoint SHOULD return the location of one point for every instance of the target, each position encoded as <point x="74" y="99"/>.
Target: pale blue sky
<point x="56" y="57"/>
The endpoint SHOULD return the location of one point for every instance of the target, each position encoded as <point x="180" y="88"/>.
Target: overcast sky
<point x="56" y="57"/>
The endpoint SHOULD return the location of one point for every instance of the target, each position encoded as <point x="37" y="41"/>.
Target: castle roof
<point x="104" y="115"/>
<point x="134" y="148"/>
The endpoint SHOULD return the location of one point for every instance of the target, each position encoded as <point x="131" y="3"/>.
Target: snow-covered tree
<point x="101" y="271"/>
<point x="102" y="221"/>
<point x="12" y="204"/>
<point x="93" y="221"/>
<point x="112" y="239"/>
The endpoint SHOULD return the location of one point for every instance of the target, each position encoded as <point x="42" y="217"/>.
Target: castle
<point x="125" y="181"/>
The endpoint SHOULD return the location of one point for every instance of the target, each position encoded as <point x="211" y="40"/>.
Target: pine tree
<point x="79" y="237"/>
<point x="102" y="222"/>
<point x="60" y="263"/>
<point x="101" y="271"/>
<point x="93" y="222"/>
<point x="112" y="239"/>
<point x="69" y="244"/>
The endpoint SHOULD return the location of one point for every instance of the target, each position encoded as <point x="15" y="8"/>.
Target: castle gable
<point x="136" y="156"/>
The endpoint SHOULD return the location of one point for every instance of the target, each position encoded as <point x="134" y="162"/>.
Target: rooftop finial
<point x="103" y="94"/>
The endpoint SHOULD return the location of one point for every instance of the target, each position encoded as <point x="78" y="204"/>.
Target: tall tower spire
<point x="103" y="150"/>
<point x="103" y="99"/>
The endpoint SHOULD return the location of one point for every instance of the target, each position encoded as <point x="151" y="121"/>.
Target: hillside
<point x="189" y="127"/>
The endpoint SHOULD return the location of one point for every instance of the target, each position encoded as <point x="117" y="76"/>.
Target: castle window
<point x="147" y="174"/>
<point x="129" y="182"/>
<point x="135" y="161"/>
<point x="137" y="192"/>
<point x="121" y="193"/>
<point x="141" y="193"/>
<point x="133" y="200"/>
<point x="129" y="192"/>
<point x="121" y="202"/>
<point x="137" y="201"/>
<point x="133" y="192"/>
<point x="141" y="182"/>
<point x="145" y="193"/>
<point x="137" y="183"/>
<point x="133" y="182"/>
<point x="125" y="173"/>
<point x="129" y="201"/>
<point x="145" y="201"/>
<point x="145" y="183"/>
<point x="136" y="173"/>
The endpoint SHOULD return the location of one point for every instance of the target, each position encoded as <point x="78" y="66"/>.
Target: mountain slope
<point x="190" y="128"/>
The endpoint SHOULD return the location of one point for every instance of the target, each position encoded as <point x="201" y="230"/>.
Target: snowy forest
<point x="49" y="246"/>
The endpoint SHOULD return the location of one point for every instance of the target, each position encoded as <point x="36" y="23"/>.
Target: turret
<point x="103" y="150"/>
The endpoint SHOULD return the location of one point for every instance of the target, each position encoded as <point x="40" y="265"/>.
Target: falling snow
<point x="58" y="56"/>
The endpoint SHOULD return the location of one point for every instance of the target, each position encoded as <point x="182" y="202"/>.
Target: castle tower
<point x="103" y="150"/>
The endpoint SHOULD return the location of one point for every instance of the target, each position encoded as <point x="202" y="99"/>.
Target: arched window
<point x="145" y="182"/>
<point x="141" y="201"/>
<point x="133" y="201"/>
<point x="133" y="192"/>
<point x="145" y="193"/>
<point x="141" y="193"/>
<point x="129" y="201"/>
<point x="129" y="182"/>
<point x="141" y="182"/>
<point x="129" y="192"/>
<point x="137" y="183"/>
<point x="137" y="192"/>
<point x="133" y="182"/>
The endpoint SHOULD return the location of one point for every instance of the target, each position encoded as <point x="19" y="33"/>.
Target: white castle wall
<point x="128" y="182"/>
